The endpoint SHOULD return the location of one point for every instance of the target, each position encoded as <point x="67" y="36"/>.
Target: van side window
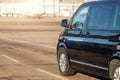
<point x="93" y="17"/>
<point x="116" y="20"/>
<point x="100" y="17"/>
<point x="80" y="18"/>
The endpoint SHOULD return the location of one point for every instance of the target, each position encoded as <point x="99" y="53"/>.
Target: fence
<point x="61" y="9"/>
<point x="46" y="10"/>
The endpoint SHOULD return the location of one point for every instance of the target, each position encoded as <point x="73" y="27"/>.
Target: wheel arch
<point x="115" y="58"/>
<point x="69" y="70"/>
<point x="61" y="44"/>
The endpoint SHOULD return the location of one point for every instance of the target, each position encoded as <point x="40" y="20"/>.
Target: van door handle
<point x="81" y="33"/>
<point x="87" y="34"/>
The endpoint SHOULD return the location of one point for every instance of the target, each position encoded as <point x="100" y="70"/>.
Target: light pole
<point x="73" y="1"/>
<point x="54" y="7"/>
<point x="14" y="8"/>
<point x="59" y="7"/>
<point x="43" y="3"/>
<point x="0" y="9"/>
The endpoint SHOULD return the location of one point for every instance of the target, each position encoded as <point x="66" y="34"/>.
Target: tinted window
<point x="116" y="20"/>
<point x="94" y="15"/>
<point x="80" y="18"/>
<point x="100" y="17"/>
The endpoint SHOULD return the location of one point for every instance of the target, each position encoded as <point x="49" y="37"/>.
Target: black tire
<point x="68" y="71"/>
<point x="114" y="66"/>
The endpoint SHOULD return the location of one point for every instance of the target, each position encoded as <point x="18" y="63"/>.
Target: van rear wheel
<point x="63" y="63"/>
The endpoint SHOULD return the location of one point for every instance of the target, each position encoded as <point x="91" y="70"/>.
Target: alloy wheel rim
<point x="116" y="75"/>
<point x="63" y="62"/>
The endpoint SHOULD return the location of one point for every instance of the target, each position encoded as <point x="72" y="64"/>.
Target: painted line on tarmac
<point x="52" y="74"/>
<point x="14" y="60"/>
<point x="28" y="43"/>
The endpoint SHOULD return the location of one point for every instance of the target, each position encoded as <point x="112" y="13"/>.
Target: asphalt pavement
<point x="28" y="50"/>
<point x="22" y="62"/>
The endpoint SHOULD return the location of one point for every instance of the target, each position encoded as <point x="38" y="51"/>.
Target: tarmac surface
<point x="27" y="50"/>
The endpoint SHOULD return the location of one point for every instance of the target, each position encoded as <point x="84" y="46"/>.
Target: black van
<point x="91" y="40"/>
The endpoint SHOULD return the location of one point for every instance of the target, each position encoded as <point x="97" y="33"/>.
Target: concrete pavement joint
<point x="14" y="60"/>
<point x="28" y="43"/>
<point x="47" y="48"/>
<point x="54" y="75"/>
<point x="35" y="53"/>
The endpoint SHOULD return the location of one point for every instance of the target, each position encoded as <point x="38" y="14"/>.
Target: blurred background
<point x="29" y="31"/>
<point x="37" y="8"/>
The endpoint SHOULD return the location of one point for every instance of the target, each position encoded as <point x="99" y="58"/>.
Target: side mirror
<point x="64" y="23"/>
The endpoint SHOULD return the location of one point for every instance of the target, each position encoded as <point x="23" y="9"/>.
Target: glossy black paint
<point x="95" y="48"/>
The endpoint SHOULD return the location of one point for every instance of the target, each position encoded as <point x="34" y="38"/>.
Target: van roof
<point x="102" y="1"/>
